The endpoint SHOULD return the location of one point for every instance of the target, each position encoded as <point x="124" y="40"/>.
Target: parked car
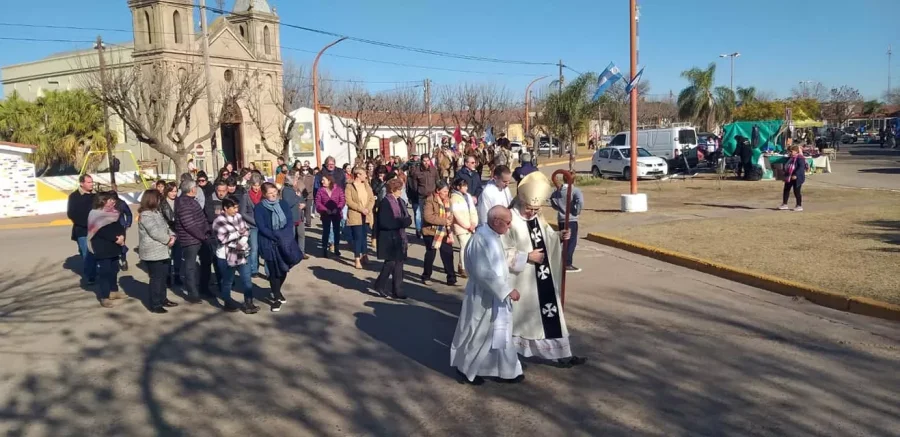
<point x="615" y="161"/>
<point x="515" y="147"/>
<point x="668" y="143"/>
<point x="544" y="146"/>
<point x="849" y="137"/>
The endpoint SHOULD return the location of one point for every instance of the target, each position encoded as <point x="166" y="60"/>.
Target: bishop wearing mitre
<point x="535" y="250"/>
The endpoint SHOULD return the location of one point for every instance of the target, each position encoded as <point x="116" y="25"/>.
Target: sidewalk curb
<point x="852" y="304"/>
<point x="54" y="223"/>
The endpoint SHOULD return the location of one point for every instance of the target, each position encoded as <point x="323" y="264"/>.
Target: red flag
<point x="457" y="135"/>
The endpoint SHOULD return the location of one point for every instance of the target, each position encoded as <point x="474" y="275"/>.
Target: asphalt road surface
<point x="671" y="352"/>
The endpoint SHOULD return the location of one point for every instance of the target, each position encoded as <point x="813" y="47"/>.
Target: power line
<point x="399" y="64"/>
<point x="402" y="47"/>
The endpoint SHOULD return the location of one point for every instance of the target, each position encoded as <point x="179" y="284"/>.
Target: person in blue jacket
<point x="277" y="245"/>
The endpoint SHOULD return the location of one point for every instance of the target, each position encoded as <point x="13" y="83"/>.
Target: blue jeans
<point x="227" y="279"/>
<point x="573" y="241"/>
<point x="176" y="261"/>
<point x="88" y="263"/>
<point x="331" y="227"/>
<point x="107" y="276"/>
<point x="360" y="234"/>
<point x="253" y="258"/>
<point x="417" y="212"/>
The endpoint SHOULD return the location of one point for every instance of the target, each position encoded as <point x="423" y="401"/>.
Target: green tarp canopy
<point x="768" y="136"/>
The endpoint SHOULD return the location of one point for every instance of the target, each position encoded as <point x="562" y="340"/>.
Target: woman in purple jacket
<point x="329" y="203"/>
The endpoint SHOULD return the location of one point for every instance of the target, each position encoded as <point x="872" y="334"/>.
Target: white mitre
<point x="534" y="190"/>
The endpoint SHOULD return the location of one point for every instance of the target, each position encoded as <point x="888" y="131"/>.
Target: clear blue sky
<point x="781" y="41"/>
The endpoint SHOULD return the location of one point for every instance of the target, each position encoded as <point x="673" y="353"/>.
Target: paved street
<point x="672" y="352"/>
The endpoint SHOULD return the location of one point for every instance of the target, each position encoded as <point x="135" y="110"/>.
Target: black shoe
<point x="231" y="307"/>
<point x="249" y="307"/>
<point x="91" y="281"/>
<point x="426" y="281"/>
<point x="399" y="296"/>
<point x="193" y="299"/>
<point x="476" y="381"/>
<point x="337" y="253"/>
<point x="451" y="282"/>
<point x="571" y="361"/>
<point x="515" y="380"/>
<point x="169" y="304"/>
<point x="276" y="306"/>
<point x="280" y="297"/>
<point x="124" y="265"/>
<point x="159" y="310"/>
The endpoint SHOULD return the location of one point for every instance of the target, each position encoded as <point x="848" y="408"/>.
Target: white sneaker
<point x="798" y="209"/>
<point x="783" y="207"/>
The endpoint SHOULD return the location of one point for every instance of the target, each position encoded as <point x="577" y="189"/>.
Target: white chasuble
<point x="539" y="325"/>
<point x="482" y="344"/>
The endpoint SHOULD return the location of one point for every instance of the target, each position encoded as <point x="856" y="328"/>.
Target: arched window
<point x="148" y="27"/>
<point x="176" y="22"/>
<point x="267" y="40"/>
<point x="243" y="32"/>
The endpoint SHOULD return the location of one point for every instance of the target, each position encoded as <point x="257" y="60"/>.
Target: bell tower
<point x="162" y="26"/>
<point x="257" y="24"/>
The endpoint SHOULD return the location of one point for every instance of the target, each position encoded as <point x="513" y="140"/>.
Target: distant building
<point x="247" y="38"/>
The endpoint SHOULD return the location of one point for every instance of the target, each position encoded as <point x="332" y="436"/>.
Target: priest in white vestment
<point x="495" y="192"/>
<point x="539" y="325"/>
<point x="482" y="345"/>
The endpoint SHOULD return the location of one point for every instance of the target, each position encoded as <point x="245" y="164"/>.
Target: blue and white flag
<point x="609" y="76"/>
<point x="634" y="81"/>
<point x="489" y="135"/>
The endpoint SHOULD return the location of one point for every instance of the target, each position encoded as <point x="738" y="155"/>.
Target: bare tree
<point x="810" y="90"/>
<point x="892" y="97"/>
<point x="155" y="102"/>
<point x="359" y="115"/>
<point x="842" y="103"/>
<point x="473" y="107"/>
<point x="286" y="97"/>
<point x="405" y="110"/>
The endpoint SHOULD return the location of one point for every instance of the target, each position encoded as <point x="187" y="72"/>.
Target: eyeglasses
<point x="201" y="180"/>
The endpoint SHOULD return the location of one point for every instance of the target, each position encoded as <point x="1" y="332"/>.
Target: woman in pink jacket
<point x="329" y="204"/>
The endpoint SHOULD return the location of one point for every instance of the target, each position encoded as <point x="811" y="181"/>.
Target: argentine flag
<point x="634" y="81"/>
<point x="609" y="76"/>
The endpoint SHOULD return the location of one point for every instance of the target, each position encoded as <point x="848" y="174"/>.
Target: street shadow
<point x="427" y="344"/>
<point x="885" y="231"/>
<point x="874" y="152"/>
<point x="895" y="170"/>
<point x="717" y="205"/>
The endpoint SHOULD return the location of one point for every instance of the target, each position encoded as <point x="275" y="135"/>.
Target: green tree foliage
<point x="568" y="113"/>
<point x="701" y="101"/>
<point x="64" y="125"/>
<point x="802" y="109"/>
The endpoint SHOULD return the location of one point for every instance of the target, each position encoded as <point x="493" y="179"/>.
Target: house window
<point x="176" y="21"/>
<point x="267" y="40"/>
<point x="243" y="32"/>
<point x="148" y="27"/>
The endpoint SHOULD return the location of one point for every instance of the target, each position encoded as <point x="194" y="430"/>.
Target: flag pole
<point x="568" y="178"/>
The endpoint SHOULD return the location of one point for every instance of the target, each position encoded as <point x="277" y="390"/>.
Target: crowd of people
<point x="198" y="235"/>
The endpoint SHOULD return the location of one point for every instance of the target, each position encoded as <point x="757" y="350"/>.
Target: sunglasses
<point x="201" y="180"/>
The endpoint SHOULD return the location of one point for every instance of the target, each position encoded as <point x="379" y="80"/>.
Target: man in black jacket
<point x="469" y="173"/>
<point x="212" y="209"/>
<point x="81" y="202"/>
<point x="192" y="231"/>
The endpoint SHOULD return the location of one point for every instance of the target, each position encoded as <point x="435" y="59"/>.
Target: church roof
<point x="252" y="6"/>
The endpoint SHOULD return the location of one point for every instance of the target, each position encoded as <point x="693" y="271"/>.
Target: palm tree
<point x="702" y="102"/>
<point x="746" y="95"/>
<point x="64" y="125"/>
<point x="569" y="112"/>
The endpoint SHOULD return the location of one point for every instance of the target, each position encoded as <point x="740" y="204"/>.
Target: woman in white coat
<point x="465" y="219"/>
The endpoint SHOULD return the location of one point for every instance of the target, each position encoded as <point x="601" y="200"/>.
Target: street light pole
<point x="732" y="56"/>
<point x="109" y="145"/>
<point x="315" y="87"/>
<point x="527" y="105"/>
<point x="634" y="97"/>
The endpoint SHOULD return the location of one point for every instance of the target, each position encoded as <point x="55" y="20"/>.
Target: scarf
<point x="397" y="211"/>
<point x="278" y="218"/>
<point x="97" y="219"/>
<point x="255" y="197"/>
<point x="790" y="167"/>
<point x="440" y="231"/>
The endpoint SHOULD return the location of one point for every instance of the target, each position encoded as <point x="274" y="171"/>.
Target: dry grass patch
<point x="852" y="251"/>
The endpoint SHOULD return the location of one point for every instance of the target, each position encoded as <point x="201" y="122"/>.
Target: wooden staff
<point x="568" y="178"/>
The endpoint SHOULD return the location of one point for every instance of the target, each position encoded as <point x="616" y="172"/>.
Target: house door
<point x="231" y="144"/>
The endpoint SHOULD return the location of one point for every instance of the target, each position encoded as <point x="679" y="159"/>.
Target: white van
<point x="662" y="142"/>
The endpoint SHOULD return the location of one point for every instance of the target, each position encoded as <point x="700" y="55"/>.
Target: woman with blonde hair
<point x="360" y="218"/>
<point x="465" y="219"/>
